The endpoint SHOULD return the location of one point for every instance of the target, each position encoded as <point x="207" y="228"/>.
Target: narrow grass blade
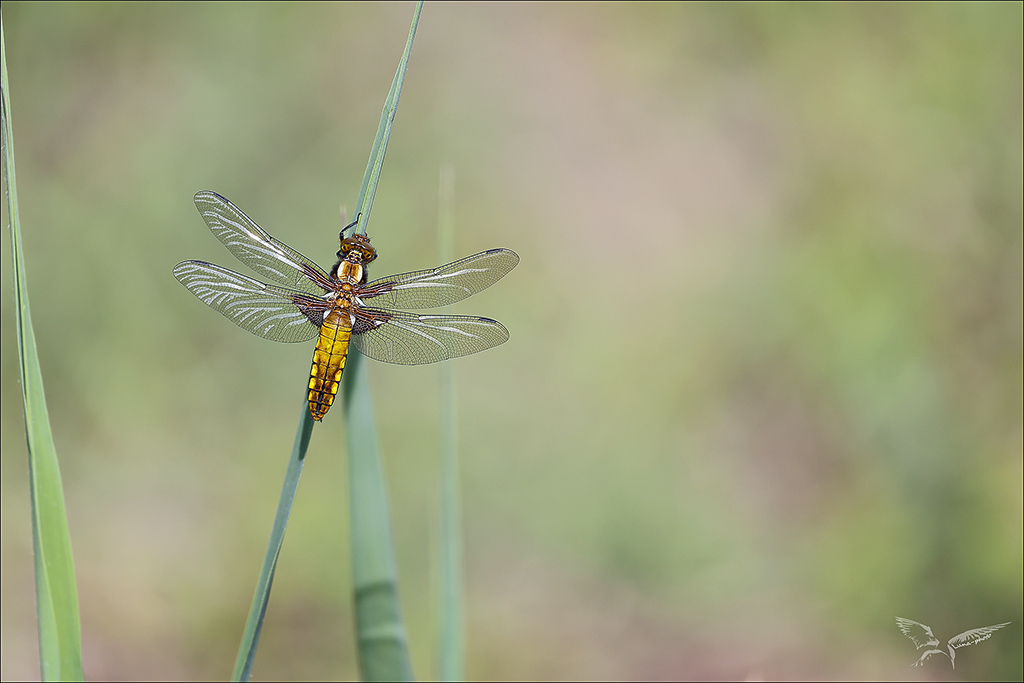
<point x="380" y="143"/>
<point x="382" y="643"/>
<point x="60" y="637"/>
<point x="450" y="630"/>
<point x="258" y="610"/>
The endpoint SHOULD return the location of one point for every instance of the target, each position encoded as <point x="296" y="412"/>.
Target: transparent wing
<point x="271" y="312"/>
<point x="443" y="285"/>
<point x="975" y="635"/>
<point x="409" y="339"/>
<point x="252" y="245"/>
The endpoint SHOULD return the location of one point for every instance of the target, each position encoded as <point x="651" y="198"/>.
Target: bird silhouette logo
<point x="923" y="637"/>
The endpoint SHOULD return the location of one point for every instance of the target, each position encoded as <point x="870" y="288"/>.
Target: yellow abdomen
<point x="329" y="361"/>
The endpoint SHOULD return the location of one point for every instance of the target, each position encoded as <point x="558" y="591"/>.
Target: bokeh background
<point x="764" y="387"/>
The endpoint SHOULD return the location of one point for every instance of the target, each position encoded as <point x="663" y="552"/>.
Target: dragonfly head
<point x="357" y="249"/>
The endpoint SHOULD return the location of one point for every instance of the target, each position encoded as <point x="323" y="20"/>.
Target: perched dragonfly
<point x="340" y="306"/>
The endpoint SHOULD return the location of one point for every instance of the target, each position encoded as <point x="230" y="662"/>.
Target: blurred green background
<point x="764" y="387"/>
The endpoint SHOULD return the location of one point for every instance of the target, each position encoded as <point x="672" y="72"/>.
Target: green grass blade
<point x="60" y="637"/>
<point x="382" y="643"/>
<point x="380" y="143"/>
<point x="450" y="644"/>
<point x="258" y="610"/>
<point x="367" y="611"/>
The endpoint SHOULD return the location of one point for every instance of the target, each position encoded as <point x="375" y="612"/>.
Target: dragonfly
<point x="341" y="307"/>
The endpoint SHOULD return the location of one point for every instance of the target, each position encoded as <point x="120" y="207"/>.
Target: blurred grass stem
<point x="60" y="637"/>
<point x="450" y="635"/>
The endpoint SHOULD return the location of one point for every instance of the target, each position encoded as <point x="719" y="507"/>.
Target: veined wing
<point x="255" y="248"/>
<point x="409" y="339"/>
<point x="443" y="285"/>
<point x="271" y="312"/>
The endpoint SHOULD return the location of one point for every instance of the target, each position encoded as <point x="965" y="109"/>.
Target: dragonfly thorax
<point x="348" y="273"/>
<point x="355" y="252"/>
